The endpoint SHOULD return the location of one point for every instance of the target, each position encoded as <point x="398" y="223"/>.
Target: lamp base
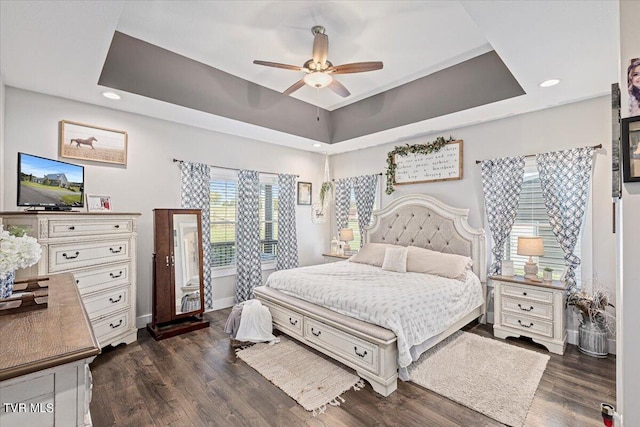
<point x="531" y="271"/>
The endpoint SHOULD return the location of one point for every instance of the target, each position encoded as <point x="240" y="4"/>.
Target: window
<point x="532" y="220"/>
<point x="223" y="205"/>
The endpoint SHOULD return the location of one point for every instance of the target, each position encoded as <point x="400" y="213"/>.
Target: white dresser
<point x="100" y="250"/>
<point x="531" y="309"/>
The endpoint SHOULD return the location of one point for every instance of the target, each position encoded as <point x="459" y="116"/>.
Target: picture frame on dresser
<point x="99" y="203"/>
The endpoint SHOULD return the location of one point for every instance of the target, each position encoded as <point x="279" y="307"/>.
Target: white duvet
<point x="414" y="306"/>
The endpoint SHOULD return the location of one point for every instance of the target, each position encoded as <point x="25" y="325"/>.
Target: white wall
<point x="151" y="179"/>
<point x="2" y="109"/>
<point x="574" y="125"/>
<point x="628" y="368"/>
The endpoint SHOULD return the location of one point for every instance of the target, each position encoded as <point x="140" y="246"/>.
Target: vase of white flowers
<point x="17" y="250"/>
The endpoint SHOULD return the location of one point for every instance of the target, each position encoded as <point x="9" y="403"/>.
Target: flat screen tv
<point x="52" y="184"/>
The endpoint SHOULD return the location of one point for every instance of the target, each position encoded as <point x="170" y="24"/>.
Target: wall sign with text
<point x="443" y="165"/>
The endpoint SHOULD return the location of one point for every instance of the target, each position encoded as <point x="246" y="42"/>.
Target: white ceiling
<point x="59" y="48"/>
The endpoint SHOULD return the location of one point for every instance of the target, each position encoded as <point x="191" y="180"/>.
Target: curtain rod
<point x="373" y="174"/>
<point x="533" y="155"/>
<point x="231" y="169"/>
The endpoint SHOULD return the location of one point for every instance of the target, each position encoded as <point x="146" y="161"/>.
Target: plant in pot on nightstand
<point x="595" y="323"/>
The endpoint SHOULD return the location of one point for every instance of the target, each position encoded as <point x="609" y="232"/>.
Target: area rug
<point x="489" y="376"/>
<point x="309" y="379"/>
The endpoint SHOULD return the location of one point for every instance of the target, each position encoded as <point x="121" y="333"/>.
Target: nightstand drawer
<point x="528" y="324"/>
<point x="526" y="293"/>
<point x="528" y="307"/>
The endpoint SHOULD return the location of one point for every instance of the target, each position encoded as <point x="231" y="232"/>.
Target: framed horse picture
<point x="88" y="142"/>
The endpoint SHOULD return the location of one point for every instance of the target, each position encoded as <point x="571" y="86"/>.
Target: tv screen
<point x="51" y="184"/>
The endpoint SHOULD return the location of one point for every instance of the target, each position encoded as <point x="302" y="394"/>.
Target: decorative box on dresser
<point x="532" y="309"/>
<point x="100" y="250"/>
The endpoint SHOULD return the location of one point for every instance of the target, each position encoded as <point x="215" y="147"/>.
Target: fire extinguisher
<point x="608" y="412"/>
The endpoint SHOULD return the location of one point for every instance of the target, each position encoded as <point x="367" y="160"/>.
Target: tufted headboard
<point x="421" y="220"/>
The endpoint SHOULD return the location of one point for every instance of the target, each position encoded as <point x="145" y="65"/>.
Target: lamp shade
<point x="317" y="79"/>
<point x="531" y="246"/>
<point x="346" y="234"/>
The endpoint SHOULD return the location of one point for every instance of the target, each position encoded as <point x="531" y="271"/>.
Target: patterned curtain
<point x="248" y="262"/>
<point x="564" y="178"/>
<point x="364" y="188"/>
<point x="343" y="200"/>
<point x="287" y="255"/>
<point x="501" y="182"/>
<point x="195" y="194"/>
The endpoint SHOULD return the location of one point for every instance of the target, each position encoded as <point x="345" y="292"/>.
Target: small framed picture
<point x="97" y="203"/>
<point x="88" y="142"/>
<point x="304" y="193"/>
<point x="631" y="149"/>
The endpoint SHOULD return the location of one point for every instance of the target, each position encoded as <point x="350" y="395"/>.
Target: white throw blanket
<point x="255" y="323"/>
<point x="414" y="306"/>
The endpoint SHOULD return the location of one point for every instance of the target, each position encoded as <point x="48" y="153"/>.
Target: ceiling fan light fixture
<point x="318" y="79"/>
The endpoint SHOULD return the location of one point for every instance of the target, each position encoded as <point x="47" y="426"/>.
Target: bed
<point x="346" y="310"/>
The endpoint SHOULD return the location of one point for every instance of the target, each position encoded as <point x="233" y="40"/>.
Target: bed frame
<point x="416" y="220"/>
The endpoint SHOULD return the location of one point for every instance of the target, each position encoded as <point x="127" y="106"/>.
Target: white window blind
<point x="223" y="207"/>
<point x="532" y="220"/>
<point x="353" y="217"/>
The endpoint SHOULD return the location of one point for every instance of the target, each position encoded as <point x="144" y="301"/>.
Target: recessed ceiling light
<point x="111" y="95"/>
<point x="550" y="82"/>
<point x="317" y="145"/>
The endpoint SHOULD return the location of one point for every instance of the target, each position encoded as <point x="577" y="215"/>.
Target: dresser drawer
<point x="288" y="320"/>
<point x="75" y="227"/>
<point x="103" y="303"/>
<point x="100" y="278"/>
<point x="65" y="257"/>
<point x="527" y="293"/>
<point x="528" y="324"/>
<point x="358" y="351"/>
<point x="528" y="307"/>
<point x="111" y="326"/>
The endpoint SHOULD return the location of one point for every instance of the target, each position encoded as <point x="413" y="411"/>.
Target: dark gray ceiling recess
<point x="135" y="66"/>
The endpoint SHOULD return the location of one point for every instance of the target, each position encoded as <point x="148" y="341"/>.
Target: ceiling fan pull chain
<point x="318" y="105"/>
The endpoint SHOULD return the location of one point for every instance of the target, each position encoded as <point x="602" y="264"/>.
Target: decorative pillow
<point x="395" y="259"/>
<point x="420" y="260"/>
<point x="371" y="253"/>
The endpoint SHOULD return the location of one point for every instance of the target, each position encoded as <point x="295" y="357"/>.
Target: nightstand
<point x="531" y="309"/>
<point x="335" y="257"/>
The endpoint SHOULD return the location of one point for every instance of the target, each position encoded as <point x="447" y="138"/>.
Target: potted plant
<point x="595" y="323"/>
<point x="547" y="274"/>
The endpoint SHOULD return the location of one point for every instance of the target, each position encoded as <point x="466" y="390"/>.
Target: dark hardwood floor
<point x="195" y="379"/>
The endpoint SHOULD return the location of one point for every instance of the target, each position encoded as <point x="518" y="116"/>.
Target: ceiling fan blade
<point x="320" y="48"/>
<point x="277" y="65"/>
<point x="356" y="67"/>
<point x="294" y="87"/>
<point x="339" y="88"/>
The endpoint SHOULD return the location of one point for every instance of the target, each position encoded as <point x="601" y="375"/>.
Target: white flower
<point x="17" y="252"/>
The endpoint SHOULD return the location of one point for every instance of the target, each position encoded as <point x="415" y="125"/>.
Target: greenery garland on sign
<point x="403" y="150"/>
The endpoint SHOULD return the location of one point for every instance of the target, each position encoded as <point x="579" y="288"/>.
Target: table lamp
<point x="531" y="246"/>
<point x="346" y="235"/>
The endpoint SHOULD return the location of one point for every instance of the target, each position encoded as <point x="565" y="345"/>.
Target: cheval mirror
<point x="178" y="289"/>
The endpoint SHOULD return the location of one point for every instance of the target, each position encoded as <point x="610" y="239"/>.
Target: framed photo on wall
<point x="98" y="203"/>
<point x="304" y="193"/>
<point x="88" y="142"/>
<point x="631" y="149"/>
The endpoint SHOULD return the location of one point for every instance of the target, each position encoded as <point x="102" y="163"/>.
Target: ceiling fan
<point x="319" y="70"/>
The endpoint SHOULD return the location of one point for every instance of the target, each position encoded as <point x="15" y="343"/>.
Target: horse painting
<point x="89" y="141"/>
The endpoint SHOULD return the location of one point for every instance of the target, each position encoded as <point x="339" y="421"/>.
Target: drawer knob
<point x="64" y="254"/>
<point x="316" y="334"/>
<point x="116" y="326"/>
<point x="523" y="325"/>
<point x="117" y="226"/>
<point x="293" y="322"/>
<point x="72" y="228"/>
<point x="114" y="276"/>
<point x="524" y="308"/>
<point x="116" y="251"/>
<point x="524" y="293"/>
<point x="355" y="349"/>
<point x="113" y="301"/>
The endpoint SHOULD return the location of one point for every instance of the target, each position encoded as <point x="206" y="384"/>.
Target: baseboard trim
<point x="223" y="303"/>
<point x="141" y="321"/>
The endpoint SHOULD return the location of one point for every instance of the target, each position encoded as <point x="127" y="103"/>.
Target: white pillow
<point x="420" y="260"/>
<point x="395" y="259"/>
<point x="371" y="254"/>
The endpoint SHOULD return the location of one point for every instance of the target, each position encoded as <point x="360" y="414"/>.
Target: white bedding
<point x="414" y="306"/>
